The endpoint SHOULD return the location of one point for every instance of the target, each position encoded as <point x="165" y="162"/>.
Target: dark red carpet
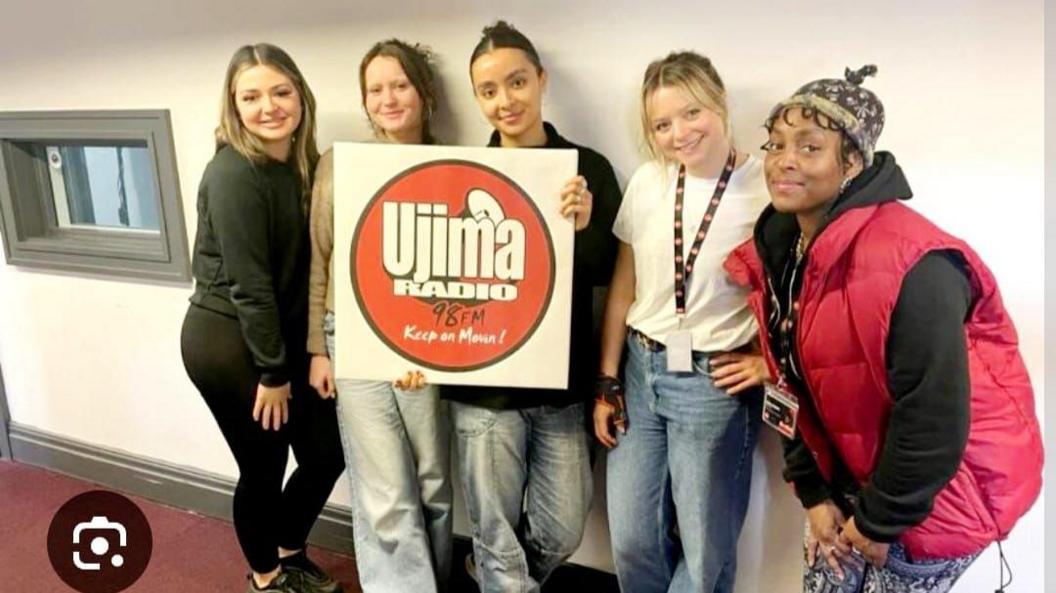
<point x="191" y="553"/>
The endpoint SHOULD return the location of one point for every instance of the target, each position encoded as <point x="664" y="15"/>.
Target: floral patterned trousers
<point x="899" y="575"/>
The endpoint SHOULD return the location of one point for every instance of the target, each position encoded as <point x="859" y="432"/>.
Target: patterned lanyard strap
<point x="684" y="268"/>
<point x="787" y="319"/>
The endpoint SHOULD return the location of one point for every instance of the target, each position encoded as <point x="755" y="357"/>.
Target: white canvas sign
<point x="454" y="261"/>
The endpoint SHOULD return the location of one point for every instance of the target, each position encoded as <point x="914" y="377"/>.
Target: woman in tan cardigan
<point x="395" y="435"/>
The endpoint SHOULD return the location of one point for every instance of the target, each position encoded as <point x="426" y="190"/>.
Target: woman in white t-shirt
<point x="681" y="436"/>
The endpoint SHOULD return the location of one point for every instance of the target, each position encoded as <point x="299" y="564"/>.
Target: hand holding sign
<point x="410" y="381"/>
<point x="577" y="200"/>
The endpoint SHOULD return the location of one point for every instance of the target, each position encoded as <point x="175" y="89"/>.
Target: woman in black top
<point x="523" y="453"/>
<point x="244" y="336"/>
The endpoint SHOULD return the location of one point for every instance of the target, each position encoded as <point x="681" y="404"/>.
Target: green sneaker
<point x="313" y="579"/>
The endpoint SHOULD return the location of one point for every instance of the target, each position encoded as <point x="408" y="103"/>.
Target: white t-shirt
<point x="717" y="312"/>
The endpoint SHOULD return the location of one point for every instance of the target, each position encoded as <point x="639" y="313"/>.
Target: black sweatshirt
<point x="927" y="373"/>
<point x="595" y="256"/>
<point x="251" y="257"/>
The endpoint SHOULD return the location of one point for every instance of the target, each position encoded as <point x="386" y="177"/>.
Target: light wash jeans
<point x="397" y="449"/>
<point x="678" y="481"/>
<point x="527" y="482"/>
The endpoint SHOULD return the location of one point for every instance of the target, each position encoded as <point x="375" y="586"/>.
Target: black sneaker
<point x="312" y="578"/>
<point x="286" y="582"/>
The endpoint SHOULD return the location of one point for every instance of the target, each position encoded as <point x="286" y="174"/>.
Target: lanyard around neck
<point x="684" y="269"/>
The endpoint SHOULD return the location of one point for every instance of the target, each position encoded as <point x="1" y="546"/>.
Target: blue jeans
<point x="527" y="482"/>
<point x="679" y="479"/>
<point x="397" y="449"/>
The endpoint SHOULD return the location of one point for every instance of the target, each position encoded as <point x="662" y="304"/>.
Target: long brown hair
<point x="232" y="133"/>
<point x="416" y="63"/>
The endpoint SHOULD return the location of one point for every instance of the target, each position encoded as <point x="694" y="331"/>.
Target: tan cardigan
<point x="321" y="274"/>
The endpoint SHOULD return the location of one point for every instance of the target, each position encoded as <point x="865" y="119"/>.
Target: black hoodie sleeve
<point x="927" y="371"/>
<point x="802" y="471"/>
<point x="596" y="245"/>
<point x="240" y="216"/>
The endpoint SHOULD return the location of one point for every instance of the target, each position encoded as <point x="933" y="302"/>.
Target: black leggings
<point x="266" y="514"/>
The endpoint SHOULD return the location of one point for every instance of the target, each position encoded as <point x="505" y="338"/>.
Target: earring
<point x="843" y="186"/>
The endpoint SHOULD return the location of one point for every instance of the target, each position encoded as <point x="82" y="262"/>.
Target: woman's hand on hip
<point x="577" y="200"/>
<point x="321" y="376"/>
<point x="271" y="407"/>
<point x="735" y="371"/>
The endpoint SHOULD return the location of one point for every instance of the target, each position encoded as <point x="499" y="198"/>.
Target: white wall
<point x="98" y="359"/>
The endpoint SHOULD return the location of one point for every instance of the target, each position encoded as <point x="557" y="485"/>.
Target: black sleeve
<point x="239" y="214"/>
<point x="802" y="471"/>
<point x="596" y="246"/>
<point x="927" y="373"/>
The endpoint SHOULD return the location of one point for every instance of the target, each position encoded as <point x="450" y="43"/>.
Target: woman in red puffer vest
<point x="916" y="443"/>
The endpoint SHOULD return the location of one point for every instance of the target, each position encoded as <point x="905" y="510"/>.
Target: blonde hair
<point x="232" y="133"/>
<point x="695" y="75"/>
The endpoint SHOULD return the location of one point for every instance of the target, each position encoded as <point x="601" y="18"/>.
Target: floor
<point x="192" y="553"/>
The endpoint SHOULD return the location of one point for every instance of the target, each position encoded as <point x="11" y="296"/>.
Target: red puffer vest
<point x="850" y="287"/>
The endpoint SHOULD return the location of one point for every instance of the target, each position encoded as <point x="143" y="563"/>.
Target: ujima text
<point x="431" y="255"/>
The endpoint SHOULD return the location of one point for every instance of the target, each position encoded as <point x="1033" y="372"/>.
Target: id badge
<point x="780" y="409"/>
<point x="679" y="352"/>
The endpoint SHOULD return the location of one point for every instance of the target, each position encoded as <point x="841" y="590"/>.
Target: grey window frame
<point x="31" y="235"/>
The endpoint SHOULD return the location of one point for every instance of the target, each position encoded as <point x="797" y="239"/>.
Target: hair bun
<point x="497" y="26"/>
<point x="856" y="77"/>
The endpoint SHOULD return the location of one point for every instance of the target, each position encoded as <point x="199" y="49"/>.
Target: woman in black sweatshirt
<point x="523" y="453"/>
<point x="244" y="336"/>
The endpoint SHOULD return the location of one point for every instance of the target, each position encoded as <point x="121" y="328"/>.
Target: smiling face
<point x="804" y="167"/>
<point x="685" y="131"/>
<point x="268" y="105"/>
<point x="392" y="102"/>
<point x="509" y="90"/>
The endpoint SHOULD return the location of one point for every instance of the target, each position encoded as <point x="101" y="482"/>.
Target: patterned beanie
<point x="856" y="111"/>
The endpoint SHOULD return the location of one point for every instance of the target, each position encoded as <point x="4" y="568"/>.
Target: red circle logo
<point x="452" y="265"/>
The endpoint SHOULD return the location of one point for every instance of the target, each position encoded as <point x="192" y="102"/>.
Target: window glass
<point x="103" y="186"/>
